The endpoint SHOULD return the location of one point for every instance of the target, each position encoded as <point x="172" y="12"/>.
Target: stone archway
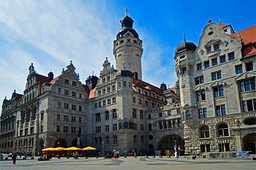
<point x="168" y="143"/>
<point x="60" y="143"/>
<point x="249" y="142"/>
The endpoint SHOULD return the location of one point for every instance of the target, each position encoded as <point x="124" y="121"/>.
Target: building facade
<point x="217" y="90"/>
<point x="211" y="108"/>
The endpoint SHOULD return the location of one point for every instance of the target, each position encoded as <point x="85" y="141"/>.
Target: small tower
<point x="128" y="48"/>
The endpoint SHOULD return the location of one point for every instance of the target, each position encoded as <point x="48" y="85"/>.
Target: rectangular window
<point x="223" y="110"/>
<point x="80" y="108"/>
<point x="239" y="69"/>
<point x="149" y="116"/>
<point x="209" y="49"/>
<point x="218" y="91"/>
<point x="222" y="59"/>
<point x="59" y="90"/>
<point x="73" y="94"/>
<point x="149" y="127"/>
<point x="141" y="127"/>
<point x="66" y="105"/>
<point x="206" y="64"/>
<point x="73" y="118"/>
<point x="107" y="128"/>
<point x="214" y="62"/>
<point x="199" y="66"/>
<point x="200" y="95"/>
<point x="114" y="127"/>
<point x="184" y="70"/>
<point x="98" y="129"/>
<point x="249" y="66"/>
<point x="134" y="113"/>
<point x="244" y="108"/>
<point x="249" y="105"/>
<point x="231" y="56"/>
<point x="65" y="118"/>
<point x="109" y="101"/>
<point x="199" y="80"/>
<point x="73" y="129"/>
<point x="65" y="128"/>
<point x="141" y="114"/>
<point x="73" y="83"/>
<point x="66" y="92"/>
<point x="80" y="119"/>
<point x="104" y="103"/>
<point x="66" y="81"/>
<point x="73" y="107"/>
<point x="202" y="112"/>
<point x="58" y="129"/>
<point x="113" y="100"/>
<point x="58" y="116"/>
<point x="114" y="114"/>
<point x="216" y="75"/>
<point x="106" y="115"/>
<point x="216" y="47"/>
<point x="220" y="110"/>
<point x="98" y="117"/>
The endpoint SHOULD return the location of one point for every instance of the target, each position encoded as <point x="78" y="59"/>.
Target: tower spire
<point x="126" y="11"/>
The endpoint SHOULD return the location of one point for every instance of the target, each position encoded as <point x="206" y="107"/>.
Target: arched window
<point x="204" y="132"/>
<point x="134" y="139"/>
<point x="115" y="139"/>
<point x="222" y="130"/>
<point x="124" y="83"/>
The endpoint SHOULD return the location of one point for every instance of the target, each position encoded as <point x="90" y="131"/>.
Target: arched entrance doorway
<point x="60" y="143"/>
<point x="168" y="143"/>
<point x="250" y="143"/>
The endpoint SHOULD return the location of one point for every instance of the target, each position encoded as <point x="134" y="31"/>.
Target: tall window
<point x="223" y="147"/>
<point x="222" y="130"/>
<point x="205" y="148"/>
<point x="134" y="139"/>
<point x="199" y="80"/>
<point x="58" y="128"/>
<point x="216" y="75"/>
<point x="106" y="128"/>
<point x="115" y="140"/>
<point x="107" y="115"/>
<point x="141" y="114"/>
<point x="222" y="59"/>
<point x="134" y="113"/>
<point x="214" y="62"/>
<point x="206" y="64"/>
<point x="200" y="95"/>
<point x="249" y="105"/>
<point x="216" y="47"/>
<point x="204" y="132"/>
<point x="220" y="110"/>
<point x="66" y="92"/>
<point x="202" y="113"/>
<point x="231" y="56"/>
<point x="65" y="128"/>
<point x="114" y="114"/>
<point x="98" y="117"/>
<point x="218" y="91"/>
<point x="249" y="66"/>
<point x="239" y="69"/>
<point x="114" y="126"/>
<point x="199" y="66"/>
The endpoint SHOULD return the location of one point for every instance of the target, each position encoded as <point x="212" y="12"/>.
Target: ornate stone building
<point x="212" y="107"/>
<point x="217" y="90"/>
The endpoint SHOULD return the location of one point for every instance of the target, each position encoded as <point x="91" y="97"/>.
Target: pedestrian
<point x="14" y="156"/>
<point x="198" y="153"/>
<point x="176" y="155"/>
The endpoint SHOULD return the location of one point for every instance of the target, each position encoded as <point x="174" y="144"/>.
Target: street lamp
<point x="103" y="148"/>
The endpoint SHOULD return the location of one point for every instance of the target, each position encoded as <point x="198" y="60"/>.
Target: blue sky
<point x="51" y="33"/>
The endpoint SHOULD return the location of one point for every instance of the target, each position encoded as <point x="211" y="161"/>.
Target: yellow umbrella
<point x="60" y="149"/>
<point x="48" y="149"/>
<point x="89" y="148"/>
<point x="72" y="149"/>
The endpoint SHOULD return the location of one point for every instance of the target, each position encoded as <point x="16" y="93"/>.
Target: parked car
<point x="1" y="156"/>
<point x="10" y="155"/>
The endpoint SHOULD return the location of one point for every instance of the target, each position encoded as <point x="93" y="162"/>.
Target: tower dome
<point x="185" y="46"/>
<point x="127" y="24"/>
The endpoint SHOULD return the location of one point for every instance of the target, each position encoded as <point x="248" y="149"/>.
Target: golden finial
<point x="126" y="11"/>
<point x="220" y="21"/>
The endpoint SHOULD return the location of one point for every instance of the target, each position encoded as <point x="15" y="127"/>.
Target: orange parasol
<point x="73" y="149"/>
<point x="49" y="149"/>
<point x="89" y="148"/>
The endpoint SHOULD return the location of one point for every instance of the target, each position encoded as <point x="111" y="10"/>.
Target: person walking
<point x="14" y="156"/>
<point x="176" y="155"/>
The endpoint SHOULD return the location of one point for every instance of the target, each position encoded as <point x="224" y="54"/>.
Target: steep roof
<point x="248" y="37"/>
<point x="222" y="25"/>
<point x="147" y="86"/>
<point x="42" y="79"/>
<point x="91" y="95"/>
<point x="86" y="89"/>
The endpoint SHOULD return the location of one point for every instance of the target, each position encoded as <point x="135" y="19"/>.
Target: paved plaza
<point x="128" y="163"/>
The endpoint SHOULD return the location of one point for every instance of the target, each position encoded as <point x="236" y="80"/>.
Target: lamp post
<point x="103" y="148"/>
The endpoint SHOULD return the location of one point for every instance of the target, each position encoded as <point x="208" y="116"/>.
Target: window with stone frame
<point x="66" y="81"/>
<point x="218" y="91"/>
<point x="216" y="75"/>
<point x="80" y="108"/>
<point x="114" y="127"/>
<point x="205" y="148"/>
<point x="73" y="107"/>
<point x="104" y="103"/>
<point x="222" y="130"/>
<point x="222" y="59"/>
<point x="224" y="147"/>
<point x="73" y="94"/>
<point x="134" y="113"/>
<point x="80" y="120"/>
<point x="106" y="128"/>
<point x="239" y="69"/>
<point x="73" y="118"/>
<point x="58" y="117"/>
<point x="107" y="141"/>
<point x="202" y="113"/>
<point x="115" y="140"/>
<point x="66" y="92"/>
<point x="249" y="105"/>
<point x="231" y="56"/>
<point x="73" y="129"/>
<point x="200" y="95"/>
<point x="114" y="111"/>
<point x="66" y="118"/>
<point x="206" y="64"/>
<point x="134" y="139"/>
<point x="149" y="127"/>
<point x="141" y="127"/>
<point x="220" y="110"/>
<point x="58" y="128"/>
<point x="247" y="85"/>
<point x="141" y="115"/>
<point x="114" y="100"/>
<point x="142" y="140"/>
<point x="204" y="132"/>
<point x="109" y="101"/>
<point x="249" y="66"/>
<point x="66" y="105"/>
<point x="199" y="66"/>
<point x="199" y="80"/>
<point x="98" y="129"/>
<point x="98" y="117"/>
<point x="214" y="62"/>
